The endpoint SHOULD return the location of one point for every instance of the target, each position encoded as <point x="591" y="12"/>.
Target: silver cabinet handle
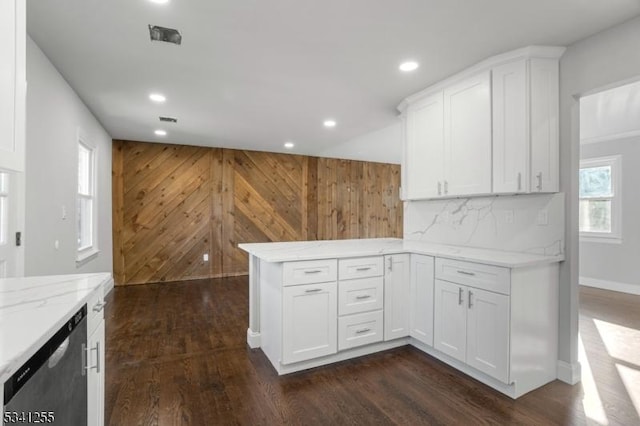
<point x="439" y="188"/>
<point x="519" y="181"/>
<point x="460" y="291"/>
<point x="99" y="306"/>
<point x="472" y="274"/>
<point x="390" y="264"/>
<point x="366" y="268"/>
<point x="97" y="349"/>
<point x="313" y="271"/>
<point x="313" y="290"/>
<point x="446" y="187"/>
<point x="539" y="177"/>
<point x="470" y="301"/>
<point x="362" y="297"/>
<point x="364" y="330"/>
<point x="86" y="357"/>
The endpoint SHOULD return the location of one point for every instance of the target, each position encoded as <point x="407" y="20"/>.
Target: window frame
<point x="85" y="253"/>
<point x="615" y="236"/>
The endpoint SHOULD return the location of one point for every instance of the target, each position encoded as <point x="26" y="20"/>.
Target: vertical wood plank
<point x="117" y="200"/>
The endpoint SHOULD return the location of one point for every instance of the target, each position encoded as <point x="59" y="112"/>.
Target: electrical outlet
<point x="508" y="216"/>
<point x="205" y="257"/>
<point x="64" y="212"/>
<point x="543" y="218"/>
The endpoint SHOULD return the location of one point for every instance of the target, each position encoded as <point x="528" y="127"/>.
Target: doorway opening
<point x="609" y="238"/>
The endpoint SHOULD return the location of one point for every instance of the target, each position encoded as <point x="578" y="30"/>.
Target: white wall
<point x="608" y="265"/>
<point x="597" y="62"/>
<point x="610" y="114"/>
<point x="380" y="146"/>
<point x="54" y="114"/>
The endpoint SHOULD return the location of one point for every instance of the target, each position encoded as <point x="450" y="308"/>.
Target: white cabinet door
<point x="450" y="320"/>
<point x="510" y="128"/>
<point x="95" y="376"/>
<point x="424" y="156"/>
<point x="12" y="84"/>
<point x="488" y="333"/>
<point x="310" y="321"/>
<point x="544" y="125"/>
<point x="467" y="136"/>
<point x="397" y="289"/>
<point x="422" y="273"/>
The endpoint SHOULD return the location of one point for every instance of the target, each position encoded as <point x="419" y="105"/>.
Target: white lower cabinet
<point x="360" y="301"/>
<point x="95" y="376"/>
<point x="488" y="333"/>
<point x="309" y="321"/>
<point x="421" y="308"/>
<point x="450" y="322"/>
<point x="397" y="291"/>
<point x="472" y="326"/>
<point x="95" y="358"/>
<point x="496" y="324"/>
<point x="360" y="329"/>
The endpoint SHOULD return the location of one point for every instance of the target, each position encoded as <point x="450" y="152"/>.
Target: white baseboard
<point x="610" y="285"/>
<point x="108" y="286"/>
<point x="569" y="373"/>
<point x="253" y="339"/>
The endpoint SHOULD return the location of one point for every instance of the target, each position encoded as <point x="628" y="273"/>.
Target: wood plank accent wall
<point x="173" y="203"/>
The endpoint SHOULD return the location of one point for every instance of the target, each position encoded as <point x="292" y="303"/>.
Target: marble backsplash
<point x="511" y="223"/>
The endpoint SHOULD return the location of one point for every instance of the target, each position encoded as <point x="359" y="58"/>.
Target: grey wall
<point x="614" y="266"/>
<point x="54" y="113"/>
<point x="597" y="62"/>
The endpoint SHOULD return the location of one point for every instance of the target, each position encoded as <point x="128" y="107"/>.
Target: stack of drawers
<point x="360" y="301"/>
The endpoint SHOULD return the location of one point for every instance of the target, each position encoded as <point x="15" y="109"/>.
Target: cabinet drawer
<point x="361" y="295"/>
<point x="359" y="329"/>
<point x="95" y="310"/>
<point x="486" y="277"/>
<point x="310" y="271"/>
<point x="361" y="267"/>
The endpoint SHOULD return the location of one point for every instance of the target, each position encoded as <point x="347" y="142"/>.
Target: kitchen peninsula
<point x="491" y="314"/>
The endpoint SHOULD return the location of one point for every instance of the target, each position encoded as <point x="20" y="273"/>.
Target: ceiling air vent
<point x="169" y="119"/>
<point x="165" y="34"/>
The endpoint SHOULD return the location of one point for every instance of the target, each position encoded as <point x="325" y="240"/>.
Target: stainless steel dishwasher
<point x="51" y="387"/>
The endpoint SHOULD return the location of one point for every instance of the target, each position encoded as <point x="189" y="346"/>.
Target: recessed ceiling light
<point x="409" y="66"/>
<point x="157" y="97"/>
<point x="329" y="123"/>
<point x="159" y="1"/>
<point x="289" y="145"/>
<point x="161" y="132"/>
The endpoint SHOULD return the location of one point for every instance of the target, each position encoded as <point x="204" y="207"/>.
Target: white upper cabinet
<point x="424" y="152"/>
<point x="544" y="125"/>
<point x="510" y="128"/>
<point x="467" y="136"/>
<point x="525" y="126"/>
<point x="492" y="128"/>
<point x="12" y="84"/>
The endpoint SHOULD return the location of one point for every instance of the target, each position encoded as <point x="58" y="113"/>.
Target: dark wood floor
<point x="176" y="355"/>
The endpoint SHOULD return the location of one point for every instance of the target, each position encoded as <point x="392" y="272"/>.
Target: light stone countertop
<point x="325" y="249"/>
<point x="32" y="309"/>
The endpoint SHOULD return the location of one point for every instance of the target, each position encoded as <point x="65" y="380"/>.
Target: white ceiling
<point x="253" y="74"/>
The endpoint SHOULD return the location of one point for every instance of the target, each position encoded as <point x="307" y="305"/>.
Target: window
<point x="600" y="212"/>
<point x="86" y="212"/>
